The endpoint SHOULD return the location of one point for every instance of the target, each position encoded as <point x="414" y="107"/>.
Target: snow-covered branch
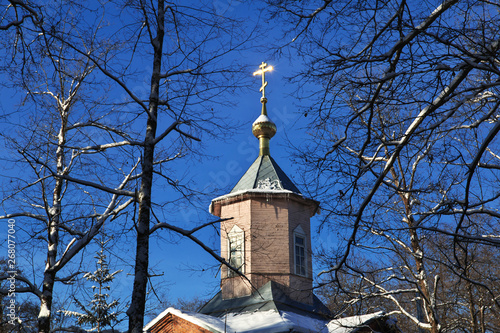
<point x="102" y="147"/>
<point x="25" y="214"/>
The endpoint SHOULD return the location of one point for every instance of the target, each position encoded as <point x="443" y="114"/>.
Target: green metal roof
<point x="265" y="174"/>
<point x="268" y="297"/>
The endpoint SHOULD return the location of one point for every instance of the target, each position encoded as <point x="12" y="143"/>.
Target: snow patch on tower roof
<point x="256" y="191"/>
<point x="273" y="321"/>
<point x="256" y="322"/>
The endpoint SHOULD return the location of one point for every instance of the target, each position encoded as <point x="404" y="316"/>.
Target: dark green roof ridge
<point x="265" y="174"/>
<point x="269" y="297"/>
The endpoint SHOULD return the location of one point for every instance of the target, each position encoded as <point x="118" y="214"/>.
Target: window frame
<point x="298" y="266"/>
<point x="235" y="236"/>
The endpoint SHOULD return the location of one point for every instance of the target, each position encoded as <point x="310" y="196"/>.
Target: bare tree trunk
<point x="423" y="285"/>
<point x="472" y="307"/>
<point x="428" y="300"/>
<point x="138" y="303"/>
<point x="54" y="212"/>
<point x="44" y="316"/>
<point x="481" y="314"/>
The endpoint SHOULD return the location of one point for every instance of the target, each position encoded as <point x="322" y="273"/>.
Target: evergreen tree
<point x="98" y="313"/>
<point x="26" y="310"/>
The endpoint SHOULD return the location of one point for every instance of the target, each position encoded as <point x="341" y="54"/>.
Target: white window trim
<point x="236" y="232"/>
<point x="300" y="232"/>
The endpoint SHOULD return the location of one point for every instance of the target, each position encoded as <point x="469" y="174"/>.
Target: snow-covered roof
<point x="350" y="324"/>
<point x="210" y="323"/>
<point x="273" y="321"/>
<point x="270" y="321"/>
<point x="248" y="322"/>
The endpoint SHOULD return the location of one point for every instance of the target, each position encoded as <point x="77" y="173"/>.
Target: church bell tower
<point x="268" y="237"/>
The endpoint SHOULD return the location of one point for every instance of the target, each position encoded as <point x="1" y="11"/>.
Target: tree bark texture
<point x="138" y="303"/>
<point x="54" y="212"/>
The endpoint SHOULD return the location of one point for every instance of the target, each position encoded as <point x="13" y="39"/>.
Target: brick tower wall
<point x="268" y="223"/>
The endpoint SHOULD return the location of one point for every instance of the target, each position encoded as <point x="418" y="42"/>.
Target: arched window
<point x="236" y="250"/>
<point x="300" y="250"/>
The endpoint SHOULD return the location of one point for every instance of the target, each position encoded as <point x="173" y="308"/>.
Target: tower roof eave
<point x="217" y="203"/>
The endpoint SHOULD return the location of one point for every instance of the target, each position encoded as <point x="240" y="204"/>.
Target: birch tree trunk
<point x="54" y="213"/>
<point x="53" y="149"/>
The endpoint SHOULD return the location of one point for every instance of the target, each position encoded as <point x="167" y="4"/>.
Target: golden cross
<point x="262" y="71"/>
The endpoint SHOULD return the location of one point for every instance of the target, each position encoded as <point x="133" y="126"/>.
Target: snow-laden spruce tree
<point x="98" y="313"/>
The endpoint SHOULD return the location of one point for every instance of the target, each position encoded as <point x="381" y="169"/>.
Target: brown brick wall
<point x="174" y="324"/>
<point x="270" y="229"/>
<point x="268" y="222"/>
<point x="299" y="215"/>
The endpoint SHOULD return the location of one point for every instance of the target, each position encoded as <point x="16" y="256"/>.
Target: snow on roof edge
<point x="347" y="324"/>
<point x="156" y="319"/>
<point x="208" y="322"/>
<point x="255" y="190"/>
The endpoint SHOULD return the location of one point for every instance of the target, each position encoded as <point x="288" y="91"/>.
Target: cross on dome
<point x="262" y="71"/>
<point x="263" y="128"/>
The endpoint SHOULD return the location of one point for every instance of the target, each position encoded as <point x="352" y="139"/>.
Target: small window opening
<point x="300" y="255"/>
<point x="236" y="247"/>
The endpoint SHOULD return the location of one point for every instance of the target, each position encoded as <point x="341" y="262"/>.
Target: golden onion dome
<point x="263" y="127"/>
